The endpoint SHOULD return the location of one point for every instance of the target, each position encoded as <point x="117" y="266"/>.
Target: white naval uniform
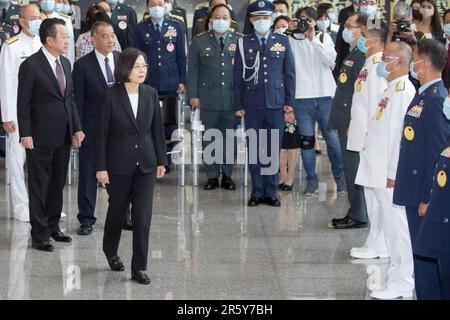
<point x="378" y="162"/>
<point x="71" y="50"/>
<point x="368" y="90"/>
<point x="11" y="56"/>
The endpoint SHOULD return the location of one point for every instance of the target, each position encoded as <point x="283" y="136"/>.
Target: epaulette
<point x="400" y="86"/>
<point x="236" y="33"/>
<point x="376" y="59"/>
<point x="176" y="17"/>
<point x="201" y="34"/>
<point x="12" y="40"/>
<point x="145" y="16"/>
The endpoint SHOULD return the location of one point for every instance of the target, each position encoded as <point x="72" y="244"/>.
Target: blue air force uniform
<point x="425" y="134"/>
<point x="166" y="54"/>
<point x="262" y="88"/>
<point x="125" y="18"/>
<point x="433" y="237"/>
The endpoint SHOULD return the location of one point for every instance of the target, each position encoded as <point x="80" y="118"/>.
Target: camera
<point x="302" y="25"/>
<point x="403" y="25"/>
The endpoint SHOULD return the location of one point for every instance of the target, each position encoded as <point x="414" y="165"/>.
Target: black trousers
<point x="350" y="159"/>
<point x="47" y="171"/>
<point x="137" y="188"/>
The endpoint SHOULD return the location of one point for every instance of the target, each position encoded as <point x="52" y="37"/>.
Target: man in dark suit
<point x="48" y="125"/>
<point x="92" y="74"/>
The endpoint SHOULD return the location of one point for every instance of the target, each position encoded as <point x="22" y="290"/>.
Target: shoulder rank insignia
<point x="278" y="47"/>
<point x="400" y="86"/>
<point x="376" y="59"/>
<point x="12" y="40"/>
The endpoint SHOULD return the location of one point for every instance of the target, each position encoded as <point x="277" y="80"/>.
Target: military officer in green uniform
<point x="209" y="85"/>
<point x="201" y="21"/>
<point x="9" y="20"/>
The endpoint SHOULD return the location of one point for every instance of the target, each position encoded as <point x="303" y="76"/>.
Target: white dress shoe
<point x="386" y="294"/>
<point x="63" y="215"/>
<point x="367" y="253"/>
<point x="22" y="219"/>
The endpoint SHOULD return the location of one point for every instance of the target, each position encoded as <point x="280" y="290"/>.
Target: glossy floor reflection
<point x="203" y="245"/>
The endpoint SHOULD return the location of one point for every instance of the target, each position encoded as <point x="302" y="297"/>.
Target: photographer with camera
<point x="401" y="29"/>
<point x="315" y="86"/>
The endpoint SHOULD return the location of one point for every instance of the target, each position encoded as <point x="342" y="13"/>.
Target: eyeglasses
<point x="140" y="67"/>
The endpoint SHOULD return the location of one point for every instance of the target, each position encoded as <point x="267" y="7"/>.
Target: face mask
<point x="157" y="12"/>
<point x="426" y="13"/>
<point x="332" y="16"/>
<point x="59" y="7"/>
<point x="48" y="5"/>
<point x="280" y="30"/>
<point x="447" y="29"/>
<point x="381" y="69"/>
<point x="361" y="44"/>
<point x="370" y="10"/>
<point x="414" y="74"/>
<point x="347" y="36"/>
<point x="33" y="26"/>
<point x="221" y="26"/>
<point x="168" y="8"/>
<point x="262" y="25"/>
<point x="4" y="1"/>
<point x="323" y="25"/>
<point x="112" y="1"/>
<point x="416" y="14"/>
<point x="65" y="9"/>
<point x="446" y="108"/>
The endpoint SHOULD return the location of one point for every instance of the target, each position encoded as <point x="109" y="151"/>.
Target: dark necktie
<point x="263" y="44"/>
<point x="221" y="43"/>
<point x="109" y="74"/>
<point x="4" y="12"/>
<point x="158" y="30"/>
<point x="60" y="77"/>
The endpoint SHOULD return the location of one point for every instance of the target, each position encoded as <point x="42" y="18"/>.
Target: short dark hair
<point x="310" y="12"/>
<point x="281" y="2"/>
<point x="125" y="64"/>
<point x="361" y="19"/>
<point x="324" y="7"/>
<point x="380" y="30"/>
<point x="285" y="18"/>
<point x="435" y="51"/>
<point x="48" y="28"/>
<point x="219" y="6"/>
<point x="209" y="2"/>
<point x="95" y="13"/>
<point x="446" y="12"/>
<point x="99" y="24"/>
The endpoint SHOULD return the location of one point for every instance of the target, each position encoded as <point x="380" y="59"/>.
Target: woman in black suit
<point x="130" y="153"/>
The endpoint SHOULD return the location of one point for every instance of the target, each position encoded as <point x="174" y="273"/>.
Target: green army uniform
<point x="9" y="22"/>
<point x="210" y="78"/>
<point x="202" y="25"/>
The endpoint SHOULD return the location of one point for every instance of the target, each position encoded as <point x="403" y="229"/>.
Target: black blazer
<point x="89" y="85"/>
<point x="42" y="112"/>
<point x="123" y="141"/>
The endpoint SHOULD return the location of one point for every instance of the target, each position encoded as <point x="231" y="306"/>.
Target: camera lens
<point x="302" y="26"/>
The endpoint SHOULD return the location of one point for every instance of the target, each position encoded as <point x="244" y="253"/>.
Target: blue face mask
<point x="65" y="9"/>
<point x="221" y="26"/>
<point x="59" y="7"/>
<point x="34" y="26"/>
<point x="332" y="16"/>
<point x="4" y="1"/>
<point x="446" y="108"/>
<point x="361" y="44"/>
<point x="323" y="25"/>
<point x="262" y="25"/>
<point x="157" y="12"/>
<point x="369" y="10"/>
<point x="411" y="70"/>
<point x="48" y="5"/>
<point x="347" y="36"/>
<point x="381" y="70"/>
<point x="447" y="29"/>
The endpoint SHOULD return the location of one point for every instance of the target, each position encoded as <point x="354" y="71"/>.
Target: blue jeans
<point x="307" y="113"/>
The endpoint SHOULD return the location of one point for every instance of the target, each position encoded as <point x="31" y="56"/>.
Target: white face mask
<point x="280" y="30"/>
<point x="427" y="13"/>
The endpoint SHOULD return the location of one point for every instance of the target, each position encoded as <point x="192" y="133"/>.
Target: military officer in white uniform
<point x="378" y="167"/>
<point x="13" y="53"/>
<point x="368" y="89"/>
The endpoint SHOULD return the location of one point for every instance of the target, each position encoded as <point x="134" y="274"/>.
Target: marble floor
<point x="203" y="245"/>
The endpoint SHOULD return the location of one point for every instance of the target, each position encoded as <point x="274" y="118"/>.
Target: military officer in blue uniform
<point x="163" y="42"/>
<point x="124" y="17"/>
<point x="425" y="135"/>
<point x="209" y="85"/>
<point x="264" y="86"/>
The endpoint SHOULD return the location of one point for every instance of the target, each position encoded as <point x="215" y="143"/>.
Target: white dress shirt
<point x="101" y="61"/>
<point x="52" y="61"/>
<point x="134" y="100"/>
<point x="314" y="62"/>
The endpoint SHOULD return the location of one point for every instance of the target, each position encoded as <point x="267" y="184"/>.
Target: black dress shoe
<point x="211" y="184"/>
<point x="287" y="187"/>
<point x="140" y="277"/>
<point x="61" y="237"/>
<point x="337" y="220"/>
<point x="228" y="183"/>
<point x="115" y="263"/>
<point x="280" y="186"/>
<point x="273" y="202"/>
<point x="349" y="223"/>
<point x="42" y="245"/>
<point x="84" y="230"/>
<point x="167" y="169"/>
<point x="254" y="201"/>
<point x="127" y="225"/>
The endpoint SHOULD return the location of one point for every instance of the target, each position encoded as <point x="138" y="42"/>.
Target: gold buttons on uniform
<point x="409" y="133"/>
<point x="343" y="78"/>
<point x="442" y="179"/>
